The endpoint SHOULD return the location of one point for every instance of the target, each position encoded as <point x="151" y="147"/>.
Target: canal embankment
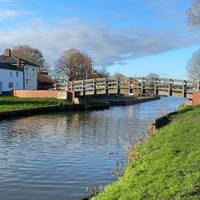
<point x="118" y="100"/>
<point x="130" y="100"/>
<point x="166" y="165"/>
<point x="12" y="107"/>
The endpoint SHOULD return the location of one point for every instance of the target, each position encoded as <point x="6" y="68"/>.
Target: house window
<point x="11" y="74"/>
<point x="33" y="72"/>
<point x="26" y="82"/>
<point x="0" y="87"/>
<point x="10" y="85"/>
<point x="17" y="74"/>
<point x="26" y="71"/>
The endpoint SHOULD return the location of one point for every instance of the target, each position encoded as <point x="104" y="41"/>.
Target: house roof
<point x="26" y="62"/>
<point x="14" y="60"/>
<point x="9" y="58"/>
<point x="10" y="67"/>
<point x="45" y="78"/>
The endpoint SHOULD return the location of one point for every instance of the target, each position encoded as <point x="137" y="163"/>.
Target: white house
<point x="17" y="73"/>
<point x="11" y="78"/>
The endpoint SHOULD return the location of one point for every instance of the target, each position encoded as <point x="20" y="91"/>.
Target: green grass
<point x="166" y="166"/>
<point x="13" y="103"/>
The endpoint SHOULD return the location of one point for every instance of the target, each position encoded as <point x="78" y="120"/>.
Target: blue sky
<point x="134" y="37"/>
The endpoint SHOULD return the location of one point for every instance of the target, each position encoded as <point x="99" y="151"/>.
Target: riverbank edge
<point x="94" y="105"/>
<point x="130" y="101"/>
<point x="152" y="130"/>
<point x="51" y="109"/>
<point x="165" y="120"/>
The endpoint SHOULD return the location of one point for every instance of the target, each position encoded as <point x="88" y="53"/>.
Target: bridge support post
<point x="83" y="87"/>
<point x="118" y="86"/>
<point x="198" y="87"/>
<point x="94" y="87"/>
<point x="170" y="86"/>
<point x="72" y="88"/>
<point x="155" y="87"/>
<point x="106" y="86"/>
<point x="70" y="85"/>
<point x="67" y="87"/>
<point x="184" y="89"/>
<point x="143" y="86"/>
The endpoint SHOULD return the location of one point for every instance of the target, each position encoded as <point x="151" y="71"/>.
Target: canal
<point x="58" y="156"/>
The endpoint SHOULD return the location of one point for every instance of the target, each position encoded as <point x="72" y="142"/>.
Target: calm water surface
<point x="56" y="157"/>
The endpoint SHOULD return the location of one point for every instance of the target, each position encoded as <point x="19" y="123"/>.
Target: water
<point x="58" y="156"/>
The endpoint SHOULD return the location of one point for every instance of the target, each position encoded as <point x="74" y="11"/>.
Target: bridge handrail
<point x="126" y="84"/>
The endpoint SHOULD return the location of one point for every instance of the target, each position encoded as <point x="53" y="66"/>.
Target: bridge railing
<point x="131" y="86"/>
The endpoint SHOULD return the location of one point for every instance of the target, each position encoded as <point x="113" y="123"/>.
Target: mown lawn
<point x="13" y="103"/>
<point x="166" y="166"/>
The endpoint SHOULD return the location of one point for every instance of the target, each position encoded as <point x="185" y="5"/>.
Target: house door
<point x="0" y="87"/>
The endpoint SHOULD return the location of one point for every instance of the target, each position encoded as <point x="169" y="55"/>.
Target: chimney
<point x="7" y="52"/>
<point x="19" y="62"/>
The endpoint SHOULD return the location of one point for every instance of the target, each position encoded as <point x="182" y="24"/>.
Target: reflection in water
<point x="59" y="156"/>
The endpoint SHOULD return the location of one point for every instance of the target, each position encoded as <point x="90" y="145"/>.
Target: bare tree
<point x="151" y="78"/>
<point x="193" y="67"/>
<point x="75" y="64"/>
<point x="119" y="75"/>
<point x="102" y="73"/>
<point x="194" y="13"/>
<point x="30" y="54"/>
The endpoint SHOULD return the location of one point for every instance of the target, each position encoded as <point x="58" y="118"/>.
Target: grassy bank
<point x="164" y="167"/>
<point x="13" y="103"/>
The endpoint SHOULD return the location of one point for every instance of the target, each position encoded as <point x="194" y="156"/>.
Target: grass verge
<point x="166" y="166"/>
<point x="14" y="103"/>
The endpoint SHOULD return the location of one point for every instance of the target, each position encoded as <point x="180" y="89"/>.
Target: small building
<point x="17" y="73"/>
<point x="45" y="81"/>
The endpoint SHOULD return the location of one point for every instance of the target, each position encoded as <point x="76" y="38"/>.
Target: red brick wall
<point x="196" y="98"/>
<point x="35" y="93"/>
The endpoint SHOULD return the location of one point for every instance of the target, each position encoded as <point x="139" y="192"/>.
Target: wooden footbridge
<point x="135" y="86"/>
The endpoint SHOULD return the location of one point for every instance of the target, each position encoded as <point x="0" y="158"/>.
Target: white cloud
<point x="105" y="45"/>
<point x="7" y="14"/>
